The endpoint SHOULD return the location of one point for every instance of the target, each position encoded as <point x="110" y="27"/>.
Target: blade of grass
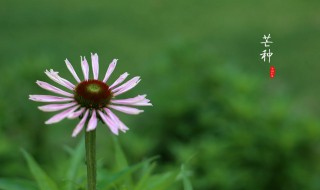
<point x="162" y="181"/>
<point x="145" y="176"/>
<point x="185" y="178"/>
<point x="120" y="176"/>
<point x="121" y="162"/>
<point x="43" y="180"/>
<point x="75" y="163"/>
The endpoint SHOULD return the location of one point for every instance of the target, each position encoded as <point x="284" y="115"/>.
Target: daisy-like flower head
<point x="90" y="99"/>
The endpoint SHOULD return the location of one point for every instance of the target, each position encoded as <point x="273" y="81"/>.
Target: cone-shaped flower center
<point x="92" y="94"/>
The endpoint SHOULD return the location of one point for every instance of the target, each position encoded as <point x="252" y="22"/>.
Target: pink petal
<point x="60" y="116"/>
<point x="113" y="126"/>
<point x="127" y="110"/>
<point x="76" y="113"/>
<point x="80" y="125"/>
<point x="95" y="65"/>
<point x="62" y="79"/>
<point x="115" y="119"/>
<point x="56" y="78"/>
<point x="85" y="68"/>
<point x="93" y="121"/>
<point x="53" y="89"/>
<point x="125" y="85"/>
<point x="139" y="100"/>
<point x="128" y="87"/>
<point x="111" y="67"/>
<point x="49" y="98"/>
<point x="120" y="79"/>
<point x="129" y="100"/>
<point x="139" y="104"/>
<point x="56" y="107"/>
<point x="123" y="127"/>
<point x="72" y="71"/>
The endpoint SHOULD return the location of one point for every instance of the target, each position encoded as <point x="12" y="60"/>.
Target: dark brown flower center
<point x="92" y="94"/>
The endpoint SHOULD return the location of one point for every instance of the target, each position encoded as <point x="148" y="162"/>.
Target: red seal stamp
<point x="272" y="71"/>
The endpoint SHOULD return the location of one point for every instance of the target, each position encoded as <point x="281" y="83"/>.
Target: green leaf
<point x="121" y="162"/>
<point x="120" y="158"/>
<point x="184" y="174"/>
<point x="162" y="181"/>
<point x="43" y="180"/>
<point x="118" y="177"/>
<point x="143" y="182"/>
<point x="16" y="184"/>
<point x="69" y="150"/>
<point x="75" y="163"/>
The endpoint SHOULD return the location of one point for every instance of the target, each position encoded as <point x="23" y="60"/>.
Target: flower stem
<point x="91" y="159"/>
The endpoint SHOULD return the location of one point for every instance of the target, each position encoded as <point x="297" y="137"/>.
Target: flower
<point x="90" y="99"/>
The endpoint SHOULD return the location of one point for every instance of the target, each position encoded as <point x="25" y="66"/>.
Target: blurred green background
<point x="215" y="107"/>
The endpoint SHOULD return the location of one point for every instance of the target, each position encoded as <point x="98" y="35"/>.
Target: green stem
<point x="91" y="159"/>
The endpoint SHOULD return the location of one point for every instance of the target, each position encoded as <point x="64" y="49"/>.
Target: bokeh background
<point x="215" y="108"/>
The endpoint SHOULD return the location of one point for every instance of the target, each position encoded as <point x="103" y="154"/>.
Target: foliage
<point x="239" y="134"/>
<point x="120" y="177"/>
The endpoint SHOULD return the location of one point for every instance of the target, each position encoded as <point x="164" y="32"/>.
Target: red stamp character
<point x="272" y="71"/>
